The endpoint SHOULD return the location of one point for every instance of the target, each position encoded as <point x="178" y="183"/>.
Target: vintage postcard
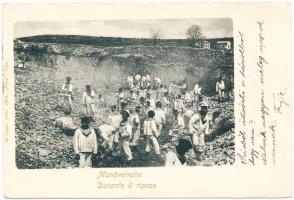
<point x="144" y="100"/>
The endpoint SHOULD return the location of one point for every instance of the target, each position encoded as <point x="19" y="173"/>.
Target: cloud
<point x="169" y="28"/>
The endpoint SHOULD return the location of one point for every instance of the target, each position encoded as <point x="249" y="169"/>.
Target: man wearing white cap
<point x="198" y="128"/>
<point x="85" y="143"/>
<point x="88" y="100"/>
<point x="130" y="81"/>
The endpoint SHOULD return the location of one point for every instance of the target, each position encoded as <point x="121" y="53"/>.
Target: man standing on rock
<point x="88" y="101"/>
<point x="66" y="93"/>
<point x="143" y="82"/>
<point x="120" y="97"/>
<point x="198" y="128"/>
<point x="85" y="143"/>
<point x="135" y="122"/>
<point x="179" y="104"/>
<point x="178" y="126"/>
<point x="125" y="135"/>
<point x="114" y="119"/>
<point x="157" y="81"/>
<point x="151" y="133"/>
<point x="220" y="89"/>
<point x="159" y="117"/>
<point x="197" y="94"/>
<point x="165" y="102"/>
<point x="130" y="81"/>
<point x="188" y="99"/>
<point x="137" y="79"/>
<point x="159" y="91"/>
<point x="151" y="100"/>
<point x="148" y="80"/>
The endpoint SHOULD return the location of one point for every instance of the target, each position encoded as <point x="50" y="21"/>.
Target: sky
<point x="168" y="28"/>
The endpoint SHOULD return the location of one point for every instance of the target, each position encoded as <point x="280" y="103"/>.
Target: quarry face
<point x="38" y="145"/>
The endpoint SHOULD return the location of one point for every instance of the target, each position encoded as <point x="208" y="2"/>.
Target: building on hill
<point x="223" y="45"/>
<point x="206" y="44"/>
<point x="215" y="43"/>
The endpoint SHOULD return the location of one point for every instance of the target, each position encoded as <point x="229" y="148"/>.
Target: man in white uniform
<point x="198" y="128"/>
<point x="66" y="123"/>
<point x="220" y="89"/>
<point x="88" y="101"/>
<point x="114" y="119"/>
<point x="148" y="80"/>
<point x="151" y="133"/>
<point x="159" y="117"/>
<point x="197" y="94"/>
<point x="143" y="82"/>
<point x="67" y="89"/>
<point x="85" y="143"/>
<point x="137" y="79"/>
<point x="135" y="123"/>
<point x="107" y="133"/>
<point x="130" y="81"/>
<point x="157" y="81"/>
<point x="125" y="134"/>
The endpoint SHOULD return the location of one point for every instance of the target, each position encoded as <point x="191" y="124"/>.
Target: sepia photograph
<point x="124" y="93"/>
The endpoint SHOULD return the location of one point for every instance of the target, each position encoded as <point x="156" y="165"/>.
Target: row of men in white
<point x="124" y="130"/>
<point x="142" y="81"/>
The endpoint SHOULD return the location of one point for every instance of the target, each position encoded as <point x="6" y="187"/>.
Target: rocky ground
<point x="40" y="145"/>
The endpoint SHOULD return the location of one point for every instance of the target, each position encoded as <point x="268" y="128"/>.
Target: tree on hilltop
<point x="194" y="33"/>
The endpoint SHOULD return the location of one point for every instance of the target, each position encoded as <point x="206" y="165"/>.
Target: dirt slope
<point x="40" y="145"/>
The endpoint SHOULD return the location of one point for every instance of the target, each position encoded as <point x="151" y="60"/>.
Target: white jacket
<point x="197" y="126"/>
<point x="134" y="119"/>
<point x="67" y="87"/>
<point x="66" y="121"/>
<point x="130" y="79"/>
<point x="179" y="105"/>
<point x="220" y="86"/>
<point x="159" y="116"/>
<point x="88" y="99"/>
<point x="138" y="77"/>
<point x="114" y="120"/>
<point x="125" y="130"/>
<point x="150" y="128"/>
<point x="106" y="131"/>
<point x="85" y="141"/>
<point x="197" y="89"/>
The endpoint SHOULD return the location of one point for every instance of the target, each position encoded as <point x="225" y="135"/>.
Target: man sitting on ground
<point x="65" y="123"/>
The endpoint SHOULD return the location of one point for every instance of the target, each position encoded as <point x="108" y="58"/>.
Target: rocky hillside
<point x="170" y="62"/>
<point x="40" y="145"/>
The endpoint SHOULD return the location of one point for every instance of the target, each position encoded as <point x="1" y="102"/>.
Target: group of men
<point x="142" y="81"/>
<point x="139" y="116"/>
